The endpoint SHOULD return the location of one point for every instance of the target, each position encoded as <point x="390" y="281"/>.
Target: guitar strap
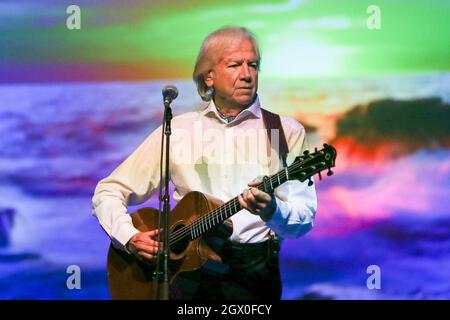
<point x="273" y="121"/>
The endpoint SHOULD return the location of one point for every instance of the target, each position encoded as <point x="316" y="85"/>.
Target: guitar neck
<point x="220" y="214"/>
<point x="303" y="167"/>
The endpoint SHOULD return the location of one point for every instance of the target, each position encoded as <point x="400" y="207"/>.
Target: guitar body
<point x="130" y="278"/>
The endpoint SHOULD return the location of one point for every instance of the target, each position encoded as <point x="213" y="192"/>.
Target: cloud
<point x="357" y="197"/>
<point x="276" y="8"/>
<point x="412" y="124"/>
<point x="333" y="23"/>
<point x="228" y="11"/>
<point x="291" y="57"/>
<point x="10" y="9"/>
<point x="18" y="10"/>
<point x="30" y="15"/>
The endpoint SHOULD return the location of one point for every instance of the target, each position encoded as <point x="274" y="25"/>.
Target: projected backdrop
<point x="371" y="78"/>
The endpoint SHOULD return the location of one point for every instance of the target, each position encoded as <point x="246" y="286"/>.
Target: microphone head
<point x="169" y="93"/>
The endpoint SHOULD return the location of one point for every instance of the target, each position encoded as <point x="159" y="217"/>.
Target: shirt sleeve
<point x="132" y="182"/>
<point x="296" y="201"/>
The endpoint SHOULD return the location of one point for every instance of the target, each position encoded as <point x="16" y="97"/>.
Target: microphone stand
<point x="166" y="200"/>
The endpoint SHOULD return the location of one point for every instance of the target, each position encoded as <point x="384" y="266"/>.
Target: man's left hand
<point x="258" y="202"/>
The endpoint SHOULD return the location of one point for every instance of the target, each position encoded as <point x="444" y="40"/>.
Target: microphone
<point x="169" y="94"/>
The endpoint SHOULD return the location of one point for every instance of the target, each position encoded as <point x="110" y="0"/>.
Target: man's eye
<point x="233" y="66"/>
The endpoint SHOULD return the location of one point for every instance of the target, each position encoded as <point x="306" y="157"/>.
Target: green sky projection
<point x="299" y="39"/>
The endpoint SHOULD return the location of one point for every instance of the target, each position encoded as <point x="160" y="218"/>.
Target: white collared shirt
<point x="215" y="157"/>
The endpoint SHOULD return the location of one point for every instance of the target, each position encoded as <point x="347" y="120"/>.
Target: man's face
<point x="235" y="76"/>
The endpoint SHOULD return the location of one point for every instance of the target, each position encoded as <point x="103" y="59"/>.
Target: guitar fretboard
<point x="220" y="214"/>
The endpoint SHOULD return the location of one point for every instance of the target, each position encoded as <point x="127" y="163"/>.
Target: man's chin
<point x="246" y="100"/>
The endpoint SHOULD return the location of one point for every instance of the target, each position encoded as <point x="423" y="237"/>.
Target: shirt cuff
<point x="278" y="220"/>
<point x="123" y="235"/>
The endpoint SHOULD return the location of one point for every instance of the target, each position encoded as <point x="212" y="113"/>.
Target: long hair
<point x="209" y="54"/>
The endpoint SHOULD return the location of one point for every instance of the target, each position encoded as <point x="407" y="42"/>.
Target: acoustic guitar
<point x="199" y="224"/>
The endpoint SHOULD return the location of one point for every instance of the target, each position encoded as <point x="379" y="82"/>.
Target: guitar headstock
<point x="309" y="164"/>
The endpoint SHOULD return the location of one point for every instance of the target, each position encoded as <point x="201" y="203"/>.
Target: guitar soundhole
<point x="178" y="243"/>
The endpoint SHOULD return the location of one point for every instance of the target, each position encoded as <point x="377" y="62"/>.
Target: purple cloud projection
<point x="57" y="141"/>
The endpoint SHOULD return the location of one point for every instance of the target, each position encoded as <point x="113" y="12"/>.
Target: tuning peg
<point x="310" y="183"/>
<point x="329" y="173"/>
<point x="306" y="152"/>
<point x="320" y="175"/>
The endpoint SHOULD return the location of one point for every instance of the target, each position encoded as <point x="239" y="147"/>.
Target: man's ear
<point x="209" y="79"/>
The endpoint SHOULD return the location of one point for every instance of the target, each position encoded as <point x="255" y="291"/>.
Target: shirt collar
<point x="253" y="110"/>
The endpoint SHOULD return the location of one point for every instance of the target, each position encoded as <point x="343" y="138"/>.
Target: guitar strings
<point x="203" y="220"/>
<point x="186" y="230"/>
<point x="201" y="223"/>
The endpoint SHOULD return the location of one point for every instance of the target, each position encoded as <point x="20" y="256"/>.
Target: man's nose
<point x="245" y="73"/>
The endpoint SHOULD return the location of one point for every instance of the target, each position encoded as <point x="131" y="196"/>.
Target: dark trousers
<point x="248" y="272"/>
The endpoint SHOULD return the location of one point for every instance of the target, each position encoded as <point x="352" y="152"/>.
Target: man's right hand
<point x="143" y="246"/>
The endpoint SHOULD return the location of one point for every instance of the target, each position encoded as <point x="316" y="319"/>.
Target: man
<point x="213" y="151"/>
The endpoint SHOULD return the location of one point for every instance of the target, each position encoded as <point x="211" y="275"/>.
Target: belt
<point x="245" y="256"/>
<point x="247" y="252"/>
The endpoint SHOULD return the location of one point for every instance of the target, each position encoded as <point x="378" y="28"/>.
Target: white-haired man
<point x="226" y="75"/>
